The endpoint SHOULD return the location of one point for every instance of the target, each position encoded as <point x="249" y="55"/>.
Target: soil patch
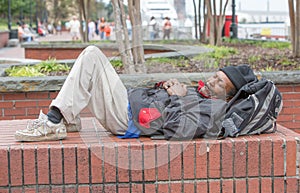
<point x="259" y="58"/>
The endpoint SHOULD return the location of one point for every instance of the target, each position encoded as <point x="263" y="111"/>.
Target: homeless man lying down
<point x="171" y="109"/>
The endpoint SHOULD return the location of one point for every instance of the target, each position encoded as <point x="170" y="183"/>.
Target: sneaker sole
<point x="49" y="137"/>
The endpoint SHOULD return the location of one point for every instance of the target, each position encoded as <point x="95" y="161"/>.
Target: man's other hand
<point x="174" y="87"/>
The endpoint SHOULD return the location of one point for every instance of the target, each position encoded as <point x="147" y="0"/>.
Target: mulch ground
<point x="260" y="59"/>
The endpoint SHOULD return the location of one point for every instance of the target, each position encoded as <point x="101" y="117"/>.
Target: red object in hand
<point x="201" y="84"/>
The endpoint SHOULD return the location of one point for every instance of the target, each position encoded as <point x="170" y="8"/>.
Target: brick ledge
<point x="94" y="159"/>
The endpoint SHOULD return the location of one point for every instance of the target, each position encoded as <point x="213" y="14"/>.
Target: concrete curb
<point x="54" y="83"/>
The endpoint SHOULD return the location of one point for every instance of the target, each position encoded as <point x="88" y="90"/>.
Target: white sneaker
<point x="42" y="129"/>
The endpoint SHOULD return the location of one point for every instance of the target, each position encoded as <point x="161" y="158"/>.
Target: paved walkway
<point x="18" y="52"/>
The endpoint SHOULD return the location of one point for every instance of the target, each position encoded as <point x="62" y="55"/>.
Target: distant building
<point x="262" y="16"/>
<point x="159" y="9"/>
<point x="180" y="8"/>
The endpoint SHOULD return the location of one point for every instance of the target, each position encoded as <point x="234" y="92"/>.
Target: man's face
<point x="218" y="86"/>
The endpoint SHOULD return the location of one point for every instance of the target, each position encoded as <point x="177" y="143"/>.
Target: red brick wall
<point x="290" y="114"/>
<point x="4" y="36"/>
<point x="70" y="53"/>
<point x="27" y="105"/>
<point x="260" y="164"/>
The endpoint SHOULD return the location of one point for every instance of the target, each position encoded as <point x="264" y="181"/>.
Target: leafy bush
<point x="23" y="71"/>
<point x="116" y="63"/>
<point x="44" y="68"/>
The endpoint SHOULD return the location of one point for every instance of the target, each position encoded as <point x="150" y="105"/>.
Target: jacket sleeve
<point x="192" y="117"/>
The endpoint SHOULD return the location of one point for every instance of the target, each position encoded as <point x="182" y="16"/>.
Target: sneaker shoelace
<point x="35" y="124"/>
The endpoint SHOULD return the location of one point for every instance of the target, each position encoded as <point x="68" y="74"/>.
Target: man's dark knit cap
<point x="239" y="75"/>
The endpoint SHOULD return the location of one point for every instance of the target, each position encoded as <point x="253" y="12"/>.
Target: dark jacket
<point x="156" y="113"/>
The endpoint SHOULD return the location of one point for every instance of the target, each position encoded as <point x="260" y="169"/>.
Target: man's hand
<point x="174" y="87"/>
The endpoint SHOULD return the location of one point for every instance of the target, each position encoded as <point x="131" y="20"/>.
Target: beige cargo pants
<point x="94" y="83"/>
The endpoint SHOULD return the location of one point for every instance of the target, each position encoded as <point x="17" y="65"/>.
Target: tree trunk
<point x="195" y="20"/>
<point x="130" y="69"/>
<point x="216" y="21"/>
<point x="211" y="23"/>
<point x="123" y="44"/>
<point x="292" y="22"/>
<point x="203" y="36"/>
<point x="297" y="30"/>
<point x="83" y="17"/>
<point x="137" y="38"/>
<point x="221" y="23"/>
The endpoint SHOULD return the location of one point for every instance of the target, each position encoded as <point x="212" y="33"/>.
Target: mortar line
<point x="129" y="167"/>
<point x="9" y="168"/>
<point x="22" y="167"/>
<point x="63" y="166"/>
<point x="143" y="166"/>
<point x="76" y="164"/>
<point x="117" y="166"/>
<point x="169" y="168"/>
<point x="90" y="168"/>
<point x="49" y="166"/>
<point x="36" y="169"/>
<point x="221" y="167"/>
<point x="272" y="164"/>
<point x="195" y="166"/>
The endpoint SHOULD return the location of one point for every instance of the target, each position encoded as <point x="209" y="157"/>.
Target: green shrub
<point x="116" y="63"/>
<point x="23" y="71"/>
<point x="42" y="69"/>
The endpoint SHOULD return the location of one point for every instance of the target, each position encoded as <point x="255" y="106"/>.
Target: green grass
<point x="176" y="62"/>
<point x="41" y="69"/>
<point x="287" y="62"/>
<point x="254" y="59"/>
<point x="212" y="59"/>
<point x="261" y="43"/>
<point x="4" y="25"/>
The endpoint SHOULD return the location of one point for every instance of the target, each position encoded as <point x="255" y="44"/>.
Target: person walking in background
<point x="129" y="26"/>
<point x="153" y="28"/>
<point x="24" y="33"/>
<point x="107" y="30"/>
<point x="167" y="28"/>
<point x="58" y="28"/>
<point x="101" y="25"/>
<point x="50" y="28"/>
<point x="91" y="29"/>
<point x="74" y="25"/>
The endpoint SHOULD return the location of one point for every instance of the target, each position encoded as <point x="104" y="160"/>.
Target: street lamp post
<point x="9" y="15"/>
<point x="30" y="10"/>
<point x="233" y="22"/>
<point x="36" y="17"/>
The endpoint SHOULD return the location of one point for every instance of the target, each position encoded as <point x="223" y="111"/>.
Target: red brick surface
<point x="240" y="156"/>
<point x="84" y="162"/>
<point x="4" y="166"/>
<point x="253" y="156"/>
<point x="176" y="166"/>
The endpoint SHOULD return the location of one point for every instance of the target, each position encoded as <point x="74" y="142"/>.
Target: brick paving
<point x="92" y="132"/>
